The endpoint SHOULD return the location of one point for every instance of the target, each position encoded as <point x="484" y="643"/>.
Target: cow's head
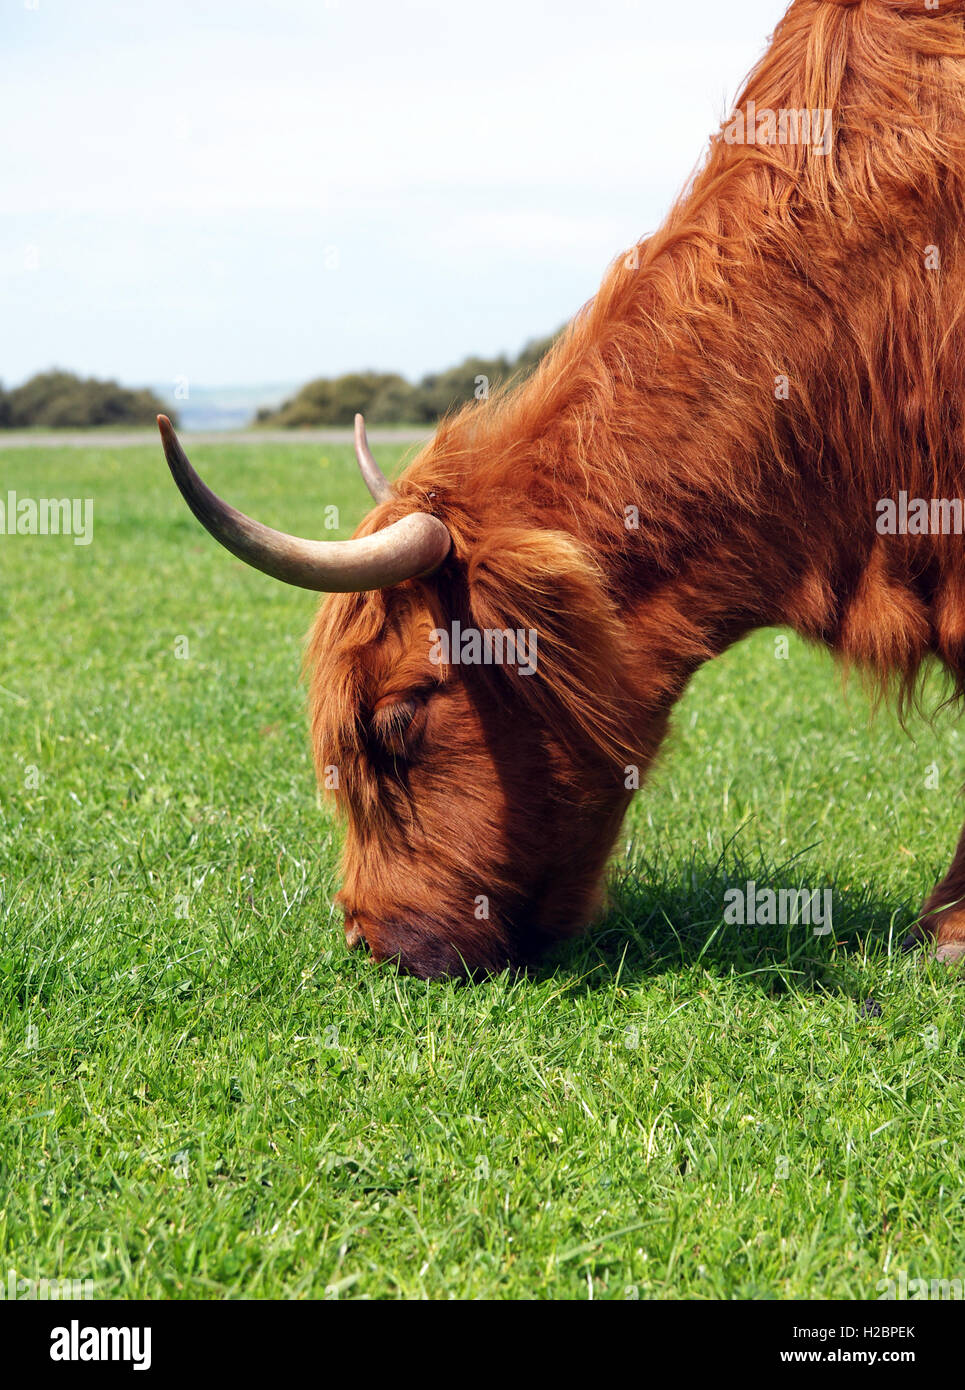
<point x="470" y="713"/>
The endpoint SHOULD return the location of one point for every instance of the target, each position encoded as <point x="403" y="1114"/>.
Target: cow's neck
<point x="647" y="459"/>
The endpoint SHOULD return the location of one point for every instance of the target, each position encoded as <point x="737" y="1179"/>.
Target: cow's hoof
<point x="941" y="931"/>
<point x="942" y="952"/>
<point x="949" y="952"/>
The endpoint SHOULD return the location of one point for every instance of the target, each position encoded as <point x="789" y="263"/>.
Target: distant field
<point x="204" y="1095"/>
<point x="125" y="437"/>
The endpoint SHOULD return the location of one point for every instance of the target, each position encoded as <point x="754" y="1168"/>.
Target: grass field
<point x="203" y="1095"/>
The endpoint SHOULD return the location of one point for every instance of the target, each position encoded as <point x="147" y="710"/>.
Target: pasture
<point x="204" y="1095"/>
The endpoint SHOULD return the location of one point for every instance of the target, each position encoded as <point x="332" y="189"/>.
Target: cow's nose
<point x="353" y="932"/>
<point x="354" y="935"/>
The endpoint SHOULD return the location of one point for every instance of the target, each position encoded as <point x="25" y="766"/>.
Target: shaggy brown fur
<point x="475" y="789"/>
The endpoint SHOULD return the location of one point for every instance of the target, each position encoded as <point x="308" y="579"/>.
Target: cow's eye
<point x="392" y="725"/>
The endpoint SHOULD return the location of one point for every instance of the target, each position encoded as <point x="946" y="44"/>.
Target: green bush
<point x="390" y="399"/>
<point x="62" y="400"/>
<point x="396" y="402"/>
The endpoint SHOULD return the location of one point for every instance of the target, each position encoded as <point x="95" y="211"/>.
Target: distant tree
<point x="356" y="391"/>
<point x="327" y="401"/>
<point x="390" y="399"/>
<point x="473" y="379"/>
<point x="396" y="402"/>
<point x="62" y="400"/>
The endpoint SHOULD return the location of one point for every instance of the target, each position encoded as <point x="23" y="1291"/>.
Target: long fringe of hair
<point x="662" y="401"/>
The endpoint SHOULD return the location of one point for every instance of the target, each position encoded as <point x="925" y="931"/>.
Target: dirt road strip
<point x="130" y="439"/>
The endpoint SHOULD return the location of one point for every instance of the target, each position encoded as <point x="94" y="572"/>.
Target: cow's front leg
<point x="942" y="920"/>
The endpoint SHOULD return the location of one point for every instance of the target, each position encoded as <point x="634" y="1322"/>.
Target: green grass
<point x="203" y="1095"/>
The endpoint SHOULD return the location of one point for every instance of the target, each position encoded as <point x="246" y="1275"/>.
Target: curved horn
<point x="407" y="549"/>
<point x="375" y="480"/>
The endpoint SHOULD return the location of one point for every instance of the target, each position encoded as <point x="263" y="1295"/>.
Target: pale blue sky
<point x="244" y="192"/>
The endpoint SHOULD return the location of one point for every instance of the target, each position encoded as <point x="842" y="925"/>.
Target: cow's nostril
<point x="353" y="934"/>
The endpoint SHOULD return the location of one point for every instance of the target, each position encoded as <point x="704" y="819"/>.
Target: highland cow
<point x="701" y="454"/>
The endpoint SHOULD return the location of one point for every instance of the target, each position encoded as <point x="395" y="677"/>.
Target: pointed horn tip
<point x="375" y="480"/>
<point x="412" y="547"/>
